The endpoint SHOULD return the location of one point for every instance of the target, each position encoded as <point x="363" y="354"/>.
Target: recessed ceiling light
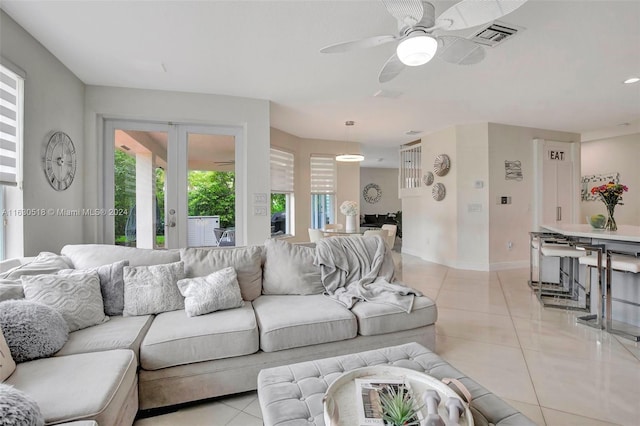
<point x="632" y="80"/>
<point x="413" y="132"/>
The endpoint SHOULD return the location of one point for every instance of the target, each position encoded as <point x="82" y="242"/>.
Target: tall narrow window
<point x="323" y="190"/>
<point x="11" y="123"/>
<point x="282" y="188"/>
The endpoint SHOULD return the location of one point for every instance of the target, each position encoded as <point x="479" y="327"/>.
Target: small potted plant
<point x="398" y="406"/>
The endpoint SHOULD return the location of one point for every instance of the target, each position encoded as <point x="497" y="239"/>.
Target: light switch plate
<point x="259" y="198"/>
<point x="260" y="211"/>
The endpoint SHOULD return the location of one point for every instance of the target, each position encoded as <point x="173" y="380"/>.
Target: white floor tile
<point x="478" y="326"/>
<point x="244" y="419"/>
<point x="240" y="401"/>
<point x="533" y="411"/>
<point x="254" y="409"/>
<point x="205" y="414"/>
<point x="559" y="418"/>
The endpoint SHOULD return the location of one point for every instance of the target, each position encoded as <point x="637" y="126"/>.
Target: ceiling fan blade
<point x="407" y="12"/>
<point x="470" y="13"/>
<point x="461" y="51"/>
<point x="364" y="43"/>
<point x="391" y="69"/>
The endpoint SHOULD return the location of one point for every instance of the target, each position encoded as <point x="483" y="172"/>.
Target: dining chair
<point x="391" y="238"/>
<point x="315" y="235"/>
<point x="382" y="232"/>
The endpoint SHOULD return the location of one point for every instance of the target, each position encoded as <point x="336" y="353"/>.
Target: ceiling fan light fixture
<point x="417" y="49"/>
<point x="350" y="158"/>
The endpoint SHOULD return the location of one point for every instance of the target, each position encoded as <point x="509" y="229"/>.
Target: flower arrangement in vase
<point x="350" y="210"/>
<point x="611" y="196"/>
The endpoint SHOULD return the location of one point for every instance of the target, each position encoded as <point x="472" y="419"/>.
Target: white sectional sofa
<point x="107" y="372"/>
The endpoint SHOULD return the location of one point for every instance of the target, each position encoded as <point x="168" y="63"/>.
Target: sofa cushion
<point x="83" y="386"/>
<point x="293" y="321"/>
<point x="111" y="285"/>
<point x="176" y="339"/>
<point x="76" y="296"/>
<point x="289" y="269"/>
<point x="7" y="364"/>
<point x="215" y="292"/>
<point x="86" y="256"/>
<point x="152" y="289"/>
<point x="378" y="318"/>
<point x="117" y="333"/>
<point x="245" y="260"/>
<point x="32" y="330"/>
<point x="44" y="263"/>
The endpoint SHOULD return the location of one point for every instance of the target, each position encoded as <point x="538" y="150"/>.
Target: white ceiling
<point x="564" y="72"/>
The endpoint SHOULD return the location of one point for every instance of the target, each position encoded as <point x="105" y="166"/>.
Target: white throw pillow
<point x="289" y="269"/>
<point x="44" y="263"/>
<point x="76" y="296"/>
<point x="217" y="291"/>
<point x="7" y="364"/>
<point x="152" y="289"/>
<point x="111" y="284"/>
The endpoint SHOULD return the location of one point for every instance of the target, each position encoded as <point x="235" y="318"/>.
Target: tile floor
<point x="491" y="327"/>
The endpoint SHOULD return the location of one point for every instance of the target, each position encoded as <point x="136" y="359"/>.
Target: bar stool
<point x="535" y="240"/>
<point x="621" y="261"/>
<point x="567" y="293"/>
<point x="595" y="260"/>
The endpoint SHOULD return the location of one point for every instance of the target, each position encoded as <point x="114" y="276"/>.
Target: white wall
<point x="178" y="107"/>
<point x="302" y="149"/>
<point x="448" y="232"/>
<point x="387" y="180"/>
<point x="54" y="101"/>
<point x="619" y="154"/>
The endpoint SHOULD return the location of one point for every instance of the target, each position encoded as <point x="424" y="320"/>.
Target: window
<point x="11" y="122"/>
<point x="323" y="191"/>
<point x="410" y="168"/>
<point x="281" y="192"/>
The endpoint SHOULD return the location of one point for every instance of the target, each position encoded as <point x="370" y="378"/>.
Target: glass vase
<point x="351" y="224"/>
<point x="610" y="224"/>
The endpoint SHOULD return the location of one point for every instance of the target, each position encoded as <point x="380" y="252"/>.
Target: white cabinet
<point x="200" y="230"/>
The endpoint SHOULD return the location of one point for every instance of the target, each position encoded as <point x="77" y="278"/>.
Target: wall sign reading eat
<point x="556" y="155"/>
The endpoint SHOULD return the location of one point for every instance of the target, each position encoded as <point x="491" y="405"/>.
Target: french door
<point x="170" y="185"/>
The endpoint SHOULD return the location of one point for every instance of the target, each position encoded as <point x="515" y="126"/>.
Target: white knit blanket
<point x="356" y="268"/>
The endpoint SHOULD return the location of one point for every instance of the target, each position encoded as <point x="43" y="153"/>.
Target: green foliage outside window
<point x="278" y="203"/>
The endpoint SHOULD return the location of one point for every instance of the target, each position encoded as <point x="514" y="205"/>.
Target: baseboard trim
<point x="470" y="266"/>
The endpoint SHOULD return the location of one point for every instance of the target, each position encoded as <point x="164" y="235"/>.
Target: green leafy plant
<point x="398" y="406"/>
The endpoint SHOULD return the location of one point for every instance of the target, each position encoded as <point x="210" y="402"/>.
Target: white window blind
<point x="11" y="86"/>
<point x="281" y="171"/>
<point x="323" y="175"/>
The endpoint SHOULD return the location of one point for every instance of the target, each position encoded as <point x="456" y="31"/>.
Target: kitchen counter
<point x="625" y="233"/>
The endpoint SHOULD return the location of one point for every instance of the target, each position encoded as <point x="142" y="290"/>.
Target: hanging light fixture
<point x="349" y="157"/>
<point x="416" y="49"/>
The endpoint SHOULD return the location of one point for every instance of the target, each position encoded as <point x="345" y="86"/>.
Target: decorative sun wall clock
<point x="372" y="193"/>
<point x="441" y="165"/>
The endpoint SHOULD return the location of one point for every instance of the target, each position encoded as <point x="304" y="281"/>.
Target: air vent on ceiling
<point x="496" y="33"/>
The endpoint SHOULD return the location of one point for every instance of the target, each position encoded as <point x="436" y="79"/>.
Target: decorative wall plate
<point x="372" y="193"/>
<point x="427" y="179"/>
<point x="441" y="165"/>
<point x="438" y="192"/>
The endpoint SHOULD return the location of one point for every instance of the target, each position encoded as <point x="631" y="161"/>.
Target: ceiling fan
<point x="417" y="40"/>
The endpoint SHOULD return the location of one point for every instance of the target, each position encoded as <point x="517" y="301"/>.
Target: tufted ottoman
<point x="292" y="394"/>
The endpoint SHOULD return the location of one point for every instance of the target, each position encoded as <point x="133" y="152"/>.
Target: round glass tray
<point x="341" y="408"/>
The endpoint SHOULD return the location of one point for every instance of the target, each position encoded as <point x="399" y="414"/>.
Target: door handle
<point x="171" y="222"/>
<point x="558" y="214"/>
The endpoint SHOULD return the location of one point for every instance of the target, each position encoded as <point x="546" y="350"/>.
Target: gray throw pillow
<point x="18" y="408"/>
<point x="11" y="289"/>
<point x="44" y="263"/>
<point x="247" y="261"/>
<point x="289" y="269"/>
<point x="32" y="330"/>
<point x="217" y="291"/>
<point x="111" y="285"/>
<point x="76" y="296"/>
<point x="152" y="289"/>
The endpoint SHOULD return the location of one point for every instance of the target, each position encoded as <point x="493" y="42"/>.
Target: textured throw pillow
<point x="44" y="263"/>
<point x="247" y="261"/>
<point x="152" y="289"/>
<point x="111" y="285"/>
<point x="289" y="269"/>
<point x="7" y="364"/>
<point x="214" y="292"/>
<point x="18" y="408"/>
<point x="76" y="296"/>
<point x="86" y="256"/>
<point x="32" y="330"/>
